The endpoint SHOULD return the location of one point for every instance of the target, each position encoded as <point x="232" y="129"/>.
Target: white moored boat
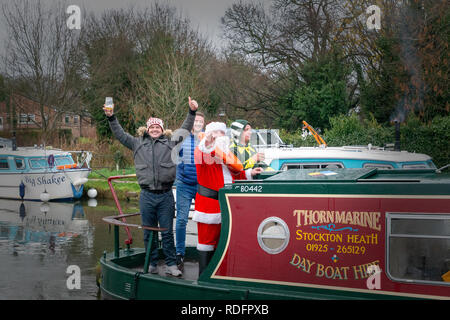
<point x="36" y="173"/>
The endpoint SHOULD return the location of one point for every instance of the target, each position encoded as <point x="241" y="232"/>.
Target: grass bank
<point x="126" y="189"/>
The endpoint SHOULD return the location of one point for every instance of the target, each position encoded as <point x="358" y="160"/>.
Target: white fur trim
<point x="205" y="247"/>
<point x="207" y="218"/>
<point x="248" y="174"/>
<point x="226" y="175"/>
<point x="214" y="126"/>
<point x="202" y="147"/>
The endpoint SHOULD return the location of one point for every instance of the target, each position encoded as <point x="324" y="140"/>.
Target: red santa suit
<point x="212" y="174"/>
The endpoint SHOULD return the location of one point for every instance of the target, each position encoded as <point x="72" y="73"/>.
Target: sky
<point x="204" y="14"/>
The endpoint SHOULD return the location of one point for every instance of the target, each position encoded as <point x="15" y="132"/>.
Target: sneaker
<point x="153" y="269"/>
<point x="180" y="261"/>
<point x="173" y="270"/>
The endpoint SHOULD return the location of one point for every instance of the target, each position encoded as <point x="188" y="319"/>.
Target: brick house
<point x="23" y="115"/>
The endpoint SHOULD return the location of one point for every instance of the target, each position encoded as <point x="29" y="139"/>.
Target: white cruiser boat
<point x="280" y="156"/>
<point x="37" y="173"/>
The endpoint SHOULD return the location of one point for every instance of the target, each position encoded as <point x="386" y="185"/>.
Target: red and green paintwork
<point x="312" y="265"/>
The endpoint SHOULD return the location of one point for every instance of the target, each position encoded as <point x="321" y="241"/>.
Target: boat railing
<point x="119" y="221"/>
<point x="128" y="241"/>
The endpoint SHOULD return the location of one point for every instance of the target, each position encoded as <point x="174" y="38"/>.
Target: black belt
<point x="155" y="191"/>
<point x="207" y="192"/>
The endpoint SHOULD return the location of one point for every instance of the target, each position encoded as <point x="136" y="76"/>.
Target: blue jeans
<point x="159" y="208"/>
<point x="185" y="194"/>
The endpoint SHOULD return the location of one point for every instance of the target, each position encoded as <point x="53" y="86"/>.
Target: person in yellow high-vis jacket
<point x="241" y="132"/>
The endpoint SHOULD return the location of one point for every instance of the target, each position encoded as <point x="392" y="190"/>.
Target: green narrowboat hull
<point x="121" y="281"/>
<point x="304" y="201"/>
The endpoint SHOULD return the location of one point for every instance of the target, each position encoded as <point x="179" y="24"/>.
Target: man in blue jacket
<point x="186" y="185"/>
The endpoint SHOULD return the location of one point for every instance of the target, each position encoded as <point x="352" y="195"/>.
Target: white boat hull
<point x="67" y="184"/>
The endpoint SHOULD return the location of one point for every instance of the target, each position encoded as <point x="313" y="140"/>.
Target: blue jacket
<point x="186" y="171"/>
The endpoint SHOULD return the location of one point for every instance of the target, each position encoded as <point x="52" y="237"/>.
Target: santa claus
<point x="216" y="165"/>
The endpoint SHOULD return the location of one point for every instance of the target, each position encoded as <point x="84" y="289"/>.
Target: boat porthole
<point x="273" y="235"/>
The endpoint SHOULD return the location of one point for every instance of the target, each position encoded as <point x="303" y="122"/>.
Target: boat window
<point x="377" y="165"/>
<point x="419" y="248"/>
<point x="332" y="165"/>
<point x="415" y="166"/>
<point x="60" y="161"/>
<point x="4" y="163"/>
<point x="40" y="163"/>
<point x="20" y="163"/>
<point x="273" y="235"/>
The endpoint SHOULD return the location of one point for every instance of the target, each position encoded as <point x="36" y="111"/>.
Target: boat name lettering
<point x="356" y="272"/>
<point x="328" y="219"/>
<point x="54" y="179"/>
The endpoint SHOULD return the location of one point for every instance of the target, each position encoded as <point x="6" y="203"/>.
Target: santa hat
<point x="237" y="127"/>
<point x="215" y="126"/>
<point x="157" y="121"/>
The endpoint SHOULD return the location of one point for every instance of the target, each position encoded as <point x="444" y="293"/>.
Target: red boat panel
<point x="333" y="239"/>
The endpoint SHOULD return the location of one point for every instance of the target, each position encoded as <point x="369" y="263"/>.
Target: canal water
<point x="44" y="245"/>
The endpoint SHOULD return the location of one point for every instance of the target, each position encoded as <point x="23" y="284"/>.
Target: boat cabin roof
<point x="356" y="175"/>
<point x="345" y="153"/>
<point x="32" y="152"/>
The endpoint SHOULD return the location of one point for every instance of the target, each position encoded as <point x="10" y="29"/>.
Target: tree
<point x="170" y="67"/>
<point x="433" y="50"/>
<point x="109" y="51"/>
<point x="285" y="36"/>
<point x="150" y="61"/>
<point x="381" y="91"/>
<point x="287" y="43"/>
<point x="320" y="94"/>
<point x="41" y="58"/>
<point x="3" y="90"/>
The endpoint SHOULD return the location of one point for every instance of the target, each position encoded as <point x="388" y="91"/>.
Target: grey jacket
<point x="155" y="169"/>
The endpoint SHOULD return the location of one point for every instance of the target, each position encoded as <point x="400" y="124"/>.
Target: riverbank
<point x="126" y="189"/>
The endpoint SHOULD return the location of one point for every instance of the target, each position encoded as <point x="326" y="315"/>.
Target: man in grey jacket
<point x="155" y="173"/>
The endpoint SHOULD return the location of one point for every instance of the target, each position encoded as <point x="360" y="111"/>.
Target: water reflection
<point x="25" y="224"/>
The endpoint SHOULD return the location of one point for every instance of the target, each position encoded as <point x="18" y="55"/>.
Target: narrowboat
<point x="41" y="174"/>
<point x="360" y="233"/>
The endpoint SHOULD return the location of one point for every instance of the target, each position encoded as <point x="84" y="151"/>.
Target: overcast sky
<point x="204" y="14"/>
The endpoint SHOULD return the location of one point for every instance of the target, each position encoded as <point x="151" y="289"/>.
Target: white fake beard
<point x="223" y="143"/>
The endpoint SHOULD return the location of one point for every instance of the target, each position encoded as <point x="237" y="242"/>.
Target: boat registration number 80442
<point x="248" y="188"/>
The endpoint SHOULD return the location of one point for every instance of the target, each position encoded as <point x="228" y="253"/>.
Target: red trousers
<point x="208" y="236"/>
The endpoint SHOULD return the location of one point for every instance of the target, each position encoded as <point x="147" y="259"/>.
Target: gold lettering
<point x="319" y="271"/>
<point x="340" y="217"/>
<point x="376" y="221"/>
<point x="349" y="218"/>
<point x="298" y="213"/>
<point x="330" y="216"/>
<point x="295" y="256"/>
<point x="315" y="217"/>
<point x="356" y="218"/>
